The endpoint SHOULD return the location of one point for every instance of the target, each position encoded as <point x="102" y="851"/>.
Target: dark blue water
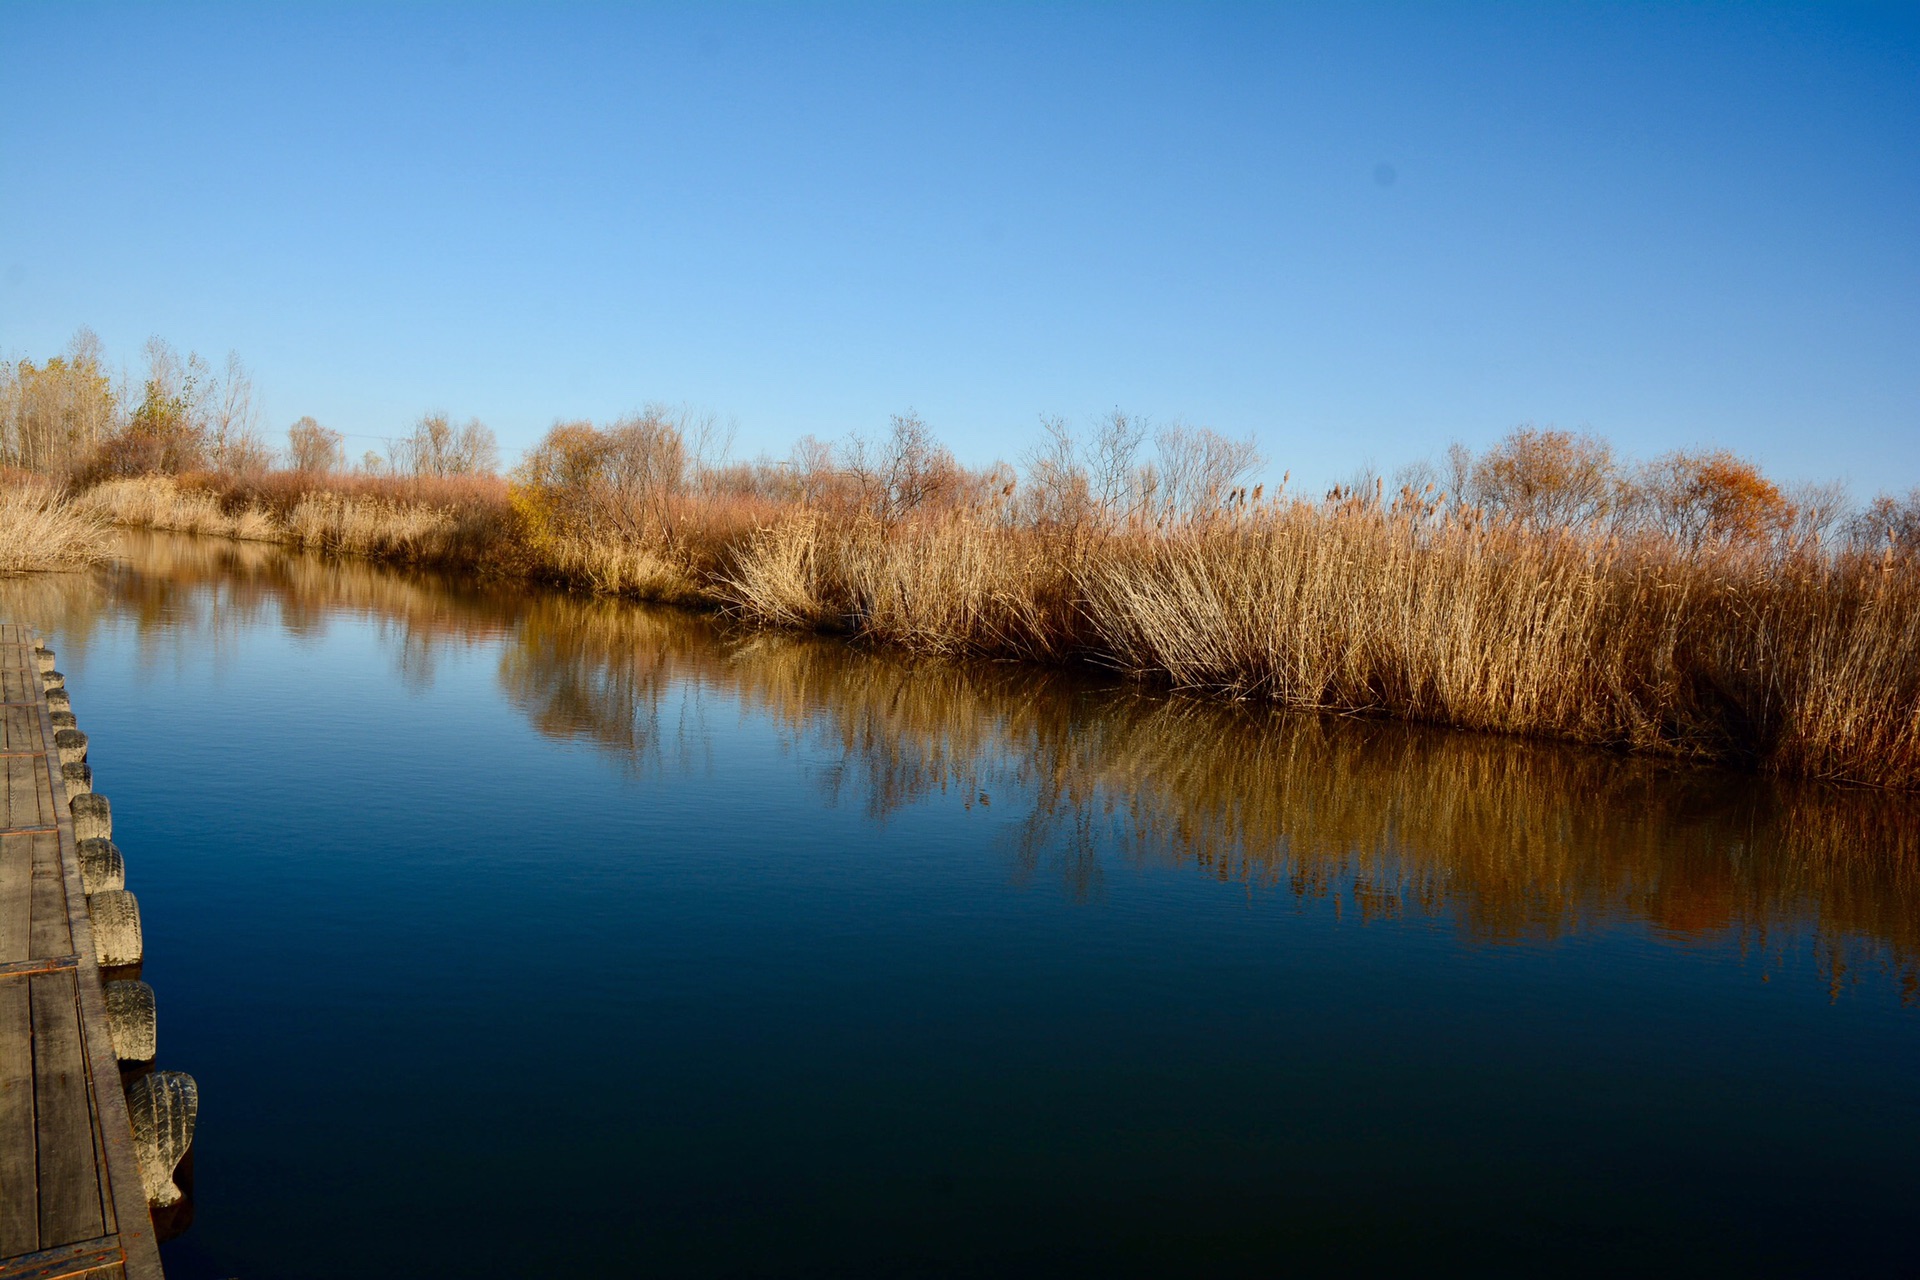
<point x="513" y="935"/>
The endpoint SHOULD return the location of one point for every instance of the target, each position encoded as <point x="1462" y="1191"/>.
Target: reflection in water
<point x="1503" y="840"/>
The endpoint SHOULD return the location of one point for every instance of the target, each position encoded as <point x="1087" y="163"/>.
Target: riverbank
<point x="1802" y="664"/>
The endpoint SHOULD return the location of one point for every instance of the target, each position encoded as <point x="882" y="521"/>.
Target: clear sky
<point x="1355" y="232"/>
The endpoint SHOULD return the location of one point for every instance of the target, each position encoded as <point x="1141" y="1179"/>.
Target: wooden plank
<point x="20" y="730"/>
<point x="52" y="808"/>
<point x="98" y="1132"/>
<point x="51" y="932"/>
<point x="27" y="799"/>
<point x="16" y="896"/>
<point x="20" y="799"/>
<point x="16" y="790"/>
<point x="63" y="1116"/>
<point x="19" y="1174"/>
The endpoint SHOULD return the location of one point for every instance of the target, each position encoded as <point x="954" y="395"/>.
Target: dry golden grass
<point x="159" y="502"/>
<point x="616" y="568"/>
<point x="41" y="529"/>
<point x="954" y="585"/>
<point x="1797" y="661"/>
<point x="408" y="524"/>
<point x="1800" y="663"/>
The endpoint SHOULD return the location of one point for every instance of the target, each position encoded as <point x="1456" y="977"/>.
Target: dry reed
<point x="1796" y="661"/>
<point x="41" y="529"/>
<point x="1802" y="664"/>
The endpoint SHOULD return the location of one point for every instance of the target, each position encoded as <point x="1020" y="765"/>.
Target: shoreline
<point x="1136" y="607"/>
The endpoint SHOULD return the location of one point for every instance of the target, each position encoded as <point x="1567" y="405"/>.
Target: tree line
<point x="69" y="417"/>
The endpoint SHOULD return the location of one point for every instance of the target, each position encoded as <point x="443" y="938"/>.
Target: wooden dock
<point x="71" y="1200"/>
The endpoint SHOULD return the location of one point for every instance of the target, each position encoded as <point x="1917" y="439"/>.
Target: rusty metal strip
<point x="67" y="1260"/>
<point x="39" y="964"/>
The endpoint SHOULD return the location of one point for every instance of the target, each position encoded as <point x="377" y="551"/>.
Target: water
<point x="510" y="934"/>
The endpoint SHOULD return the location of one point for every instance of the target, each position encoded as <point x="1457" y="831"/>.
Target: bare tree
<point x="917" y="469"/>
<point x="1111" y="473"/>
<point x="706" y="440"/>
<point x="167" y="431"/>
<point x="1711" y="498"/>
<point x="1548" y="479"/>
<point x="813" y="470"/>
<point x="619" y="480"/>
<point x="315" y="449"/>
<point x="1057" y="491"/>
<point x="905" y="471"/>
<point x="1820" y="509"/>
<point x="1199" y="467"/>
<point x="234" y="442"/>
<point x="1457" y="477"/>
<point x="1888" y="525"/>
<point x="438" y="448"/>
<point x="645" y="465"/>
<point x="54" y="416"/>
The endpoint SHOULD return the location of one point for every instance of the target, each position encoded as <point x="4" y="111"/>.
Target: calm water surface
<point x="511" y="934"/>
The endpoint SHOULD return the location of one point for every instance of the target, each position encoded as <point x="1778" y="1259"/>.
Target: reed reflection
<point x="1507" y="840"/>
<point x="1502" y="840"/>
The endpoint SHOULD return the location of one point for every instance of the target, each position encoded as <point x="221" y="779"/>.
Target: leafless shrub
<point x="1114" y="476"/>
<point x="1889" y="526"/>
<point x="1820" y="512"/>
<point x="1546" y="479"/>
<point x="1711" y="498"/>
<point x="813" y="470"/>
<point x="904" y="472"/>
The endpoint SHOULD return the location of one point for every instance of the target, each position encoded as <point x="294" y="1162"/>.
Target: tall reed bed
<point x="1792" y="659"/>
<point x="1805" y="663"/>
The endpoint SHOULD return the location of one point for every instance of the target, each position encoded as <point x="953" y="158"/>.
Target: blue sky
<point x="1354" y="232"/>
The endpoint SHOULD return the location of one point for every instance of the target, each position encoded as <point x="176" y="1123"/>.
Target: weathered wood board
<point x="71" y="1202"/>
